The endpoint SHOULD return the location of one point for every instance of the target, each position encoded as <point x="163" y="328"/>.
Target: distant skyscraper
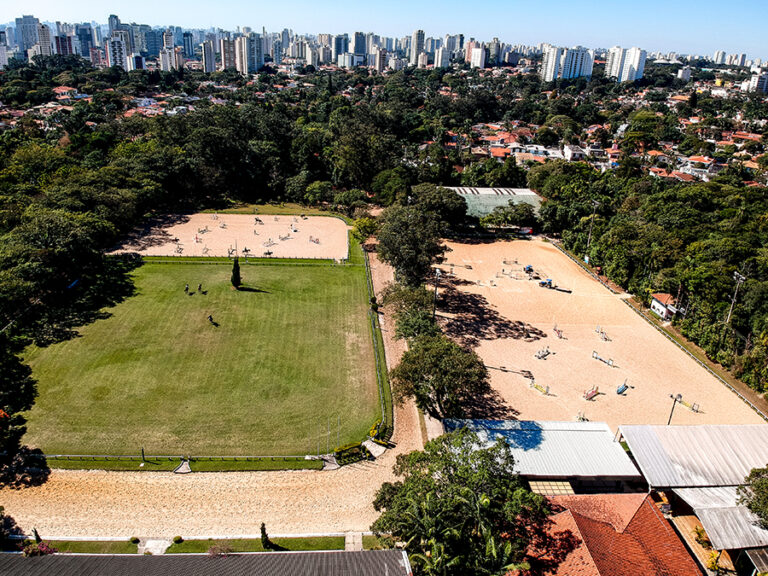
<point x="340" y="46"/>
<point x="381" y="60"/>
<point x="417" y="46"/>
<point x="719" y="57"/>
<point x="154" y="43"/>
<point x="189" y="46"/>
<point x="167" y="59"/>
<point x="168" y="38"/>
<point x="44" y="40"/>
<point x="64" y="45"/>
<point x="209" y="56"/>
<point x="423" y="60"/>
<point x="358" y="44"/>
<point x="26" y="32"/>
<point x="227" y="50"/>
<point x="84" y="34"/>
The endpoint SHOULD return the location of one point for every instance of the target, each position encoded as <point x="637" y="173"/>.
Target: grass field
<point x="254" y="545"/>
<point x="290" y="359"/>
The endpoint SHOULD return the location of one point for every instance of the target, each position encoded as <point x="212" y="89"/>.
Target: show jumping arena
<point x="243" y="235"/>
<point x="488" y="302"/>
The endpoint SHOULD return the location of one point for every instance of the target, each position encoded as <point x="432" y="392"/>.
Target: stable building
<point x="698" y="469"/>
<point x="560" y="457"/>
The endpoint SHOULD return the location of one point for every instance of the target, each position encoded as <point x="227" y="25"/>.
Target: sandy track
<point x="123" y="504"/>
<point x="508" y="320"/>
<point x="215" y="235"/>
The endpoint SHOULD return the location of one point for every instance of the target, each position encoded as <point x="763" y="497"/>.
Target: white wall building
<point x="684" y="74"/>
<point x="625" y="65"/>
<point x="478" y="57"/>
<point x="209" y="56"/>
<point x="442" y="57"/>
<point x="117" y="54"/>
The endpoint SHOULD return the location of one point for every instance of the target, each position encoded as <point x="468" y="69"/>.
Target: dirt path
<point x="124" y="504"/>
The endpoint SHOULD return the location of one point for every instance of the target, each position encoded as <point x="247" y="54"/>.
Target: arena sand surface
<point x="217" y="234"/>
<point x="507" y="321"/>
<point x="81" y="503"/>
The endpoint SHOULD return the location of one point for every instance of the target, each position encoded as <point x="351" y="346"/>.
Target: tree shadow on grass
<point x="474" y="320"/>
<point x="252" y="289"/>
<point x="85" y="302"/>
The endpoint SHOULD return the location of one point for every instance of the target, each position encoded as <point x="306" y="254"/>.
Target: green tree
<point x="409" y="240"/>
<point x="441" y="376"/>
<point x="364" y="228"/>
<point x="236" y="280"/>
<point x="460" y="508"/>
<point x="754" y="494"/>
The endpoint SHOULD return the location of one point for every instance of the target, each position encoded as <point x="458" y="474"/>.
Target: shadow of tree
<point x="489" y="406"/>
<point x="27" y="468"/>
<point x="84" y="302"/>
<point x="153" y="233"/>
<point x="473" y="319"/>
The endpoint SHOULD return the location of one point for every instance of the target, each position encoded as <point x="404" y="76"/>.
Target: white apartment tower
<point x="550" y="64"/>
<point x="44" y="40"/>
<point x="417" y="46"/>
<point x="625" y="65"/>
<point x="442" y="57"/>
<point x="719" y="57"/>
<point x="227" y="50"/>
<point x="478" y="56"/>
<point x="566" y="63"/>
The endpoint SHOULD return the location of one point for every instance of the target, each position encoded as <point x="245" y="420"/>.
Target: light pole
<point x="740" y="279"/>
<point x="595" y="204"/>
<point x="675" y="399"/>
<point x="438" y="273"/>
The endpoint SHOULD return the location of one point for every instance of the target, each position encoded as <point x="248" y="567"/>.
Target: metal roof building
<point x="704" y="465"/>
<point x="369" y="563"/>
<point x="482" y="201"/>
<point x="697" y="456"/>
<point x="556" y="449"/>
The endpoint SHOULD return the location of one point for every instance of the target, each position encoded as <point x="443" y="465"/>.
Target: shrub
<point x="135" y="540"/>
<point x="351" y="453"/>
<point x="38" y="549"/>
<point x="220" y="550"/>
<point x="178" y="539"/>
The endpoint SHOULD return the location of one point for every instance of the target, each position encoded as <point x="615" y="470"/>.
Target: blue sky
<point x="685" y="26"/>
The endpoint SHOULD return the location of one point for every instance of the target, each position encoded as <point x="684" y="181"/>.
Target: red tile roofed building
<point x="746" y="136"/>
<point x="619" y="535"/>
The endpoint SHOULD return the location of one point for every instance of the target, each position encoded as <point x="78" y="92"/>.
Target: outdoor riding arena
<point x="490" y="303"/>
<point x="242" y="235"/>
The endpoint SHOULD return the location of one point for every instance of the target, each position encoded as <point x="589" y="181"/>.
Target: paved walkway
<point x="353" y="541"/>
<point x="154" y="546"/>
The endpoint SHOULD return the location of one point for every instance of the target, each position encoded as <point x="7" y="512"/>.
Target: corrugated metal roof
<point x="370" y="563"/>
<point x="759" y="557"/>
<point x="556" y="449"/>
<point x="697" y="456"/>
<point x="728" y="525"/>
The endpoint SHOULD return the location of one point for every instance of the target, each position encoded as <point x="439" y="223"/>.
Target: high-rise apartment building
<point x="423" y="60"/>
<point x="340" y="46"/>
<point x="478" y="56"/>
<point x="167" y="59"/>
<point x="565" y="63"/>
<point x="625" y="65"/>
<point x="249" y="57"/>
<point x="442" y="57"/>
<point x="417" y="46"/>
<point x="209" y="56"/>
<point x="227" y="51"/>
<point x="719" y="57"/>
<point x="117" y="51"/>
<point x="380" y="63"/>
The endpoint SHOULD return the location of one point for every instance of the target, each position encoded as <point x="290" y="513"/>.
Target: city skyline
<point x="683" y="27"/>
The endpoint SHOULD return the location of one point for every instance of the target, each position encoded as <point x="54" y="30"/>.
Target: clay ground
<point x="507" y="321"/>
<point x="82" y="503"/>
<point x="215" y="235"/>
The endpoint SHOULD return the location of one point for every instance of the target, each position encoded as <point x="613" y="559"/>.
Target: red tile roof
<point x="664" y="298"/>
<point x="620" y="535"/>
